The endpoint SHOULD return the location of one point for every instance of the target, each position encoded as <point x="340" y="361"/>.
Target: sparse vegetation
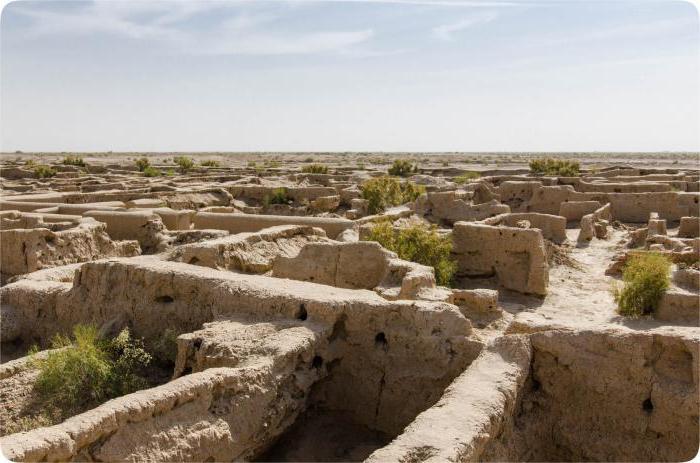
<point x="645" y="280"/>
<point x="74" y="161"/>
<point x="184" y="163"/>
<point x="44" y="171"/>
<point x="467" y="177"/>
<point x="383" y="192"/>
<point x="142" y="164"/>
<point x="278" y="196"/>
<point x="89" y="370"/>
<point x="30" y="163"/>
<point x="555" y="167"/>
<point x="151" y="171"/>
<point x="421" y="244"/>
<point x="315" y="169"/>
<point x="210" y="163"/>
<point x="402" y="168"/>
<point x="164" y="347"/>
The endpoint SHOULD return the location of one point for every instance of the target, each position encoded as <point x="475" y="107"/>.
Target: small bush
<point x="184" y="163"/>
<point x="170" y="173"/>
<point x="142" y="164"/>
<point x="210" y="163"/>
<point x="278" y="196"/>
<point x="151" y="171"/>
<point x="467" y="177"/>
<point x="315" y="169"/>
<point x="44" y="171"/>
<point x="402" y="168"/>
<point x="252" y="164"/>
<point x="164" y="347"/>
<point x="74" y="161"/>
<point x="308" y="159"/>
<point x="554" y="167"/>
<point x="30" y="163"/>
<point x="645" y="280"/>
<point x="90" y="370"/>
<point x="421" y="244"/>
<point x="383" y="192"/>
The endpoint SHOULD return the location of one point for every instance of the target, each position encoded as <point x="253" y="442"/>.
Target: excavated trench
<point x="604" y="396"/>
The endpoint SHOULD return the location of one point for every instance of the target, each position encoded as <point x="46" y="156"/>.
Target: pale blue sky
<point x="349" y="75"/>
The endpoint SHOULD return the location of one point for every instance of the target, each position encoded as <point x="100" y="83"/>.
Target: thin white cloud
<point x="236" y="33"/>
<point x="445" y="31"/>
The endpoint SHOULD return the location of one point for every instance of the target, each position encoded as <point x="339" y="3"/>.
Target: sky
<point x="350" y="75"/>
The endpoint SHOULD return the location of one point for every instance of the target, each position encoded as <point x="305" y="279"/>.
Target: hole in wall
<point x="165" y="299"/>
<point x="648" y="405"/>
<point x="302" y="314"/>
<point x="380" y="340"/>
<point x="317" y="362"/>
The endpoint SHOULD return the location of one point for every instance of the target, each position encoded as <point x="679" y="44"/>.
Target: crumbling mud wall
<point x="249" y="252"/>
<point x="453" y="206"/>
<point x="606" y="396"/>
<point x="515" y="256"/>
<point x="553" y="227"/>
<point x="636" y="207"/>
<point x="30" y="242"/>
<point x="248" y="223"/>
<point x="472" y="412"/>
<point x="387" y="361"/>
<point x="359" y="265"/>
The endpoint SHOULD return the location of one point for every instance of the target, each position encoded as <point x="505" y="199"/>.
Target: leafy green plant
<point x="184" y="163"/>
<point x="645" y="280"/>
<point x="151" y="171"/>
<point x="170" y="173"/>
<point x="210" y="163"/>
<point x="467" y="177"/>
<point x="555" y="167"/>
<point x="89" y="370"/>
<point x="315" y="169"/>
<point x="142" y="164"/>
<point x="164" y="347"/>
<point x="421" y="244"/>
<point x="74" y="161"/>
<point x="278" y="196"/>
<point x="44" y="171"/>
<point x="30" y="163"/>
<point x="402" y="168"/>
<point x="383" y="192"/>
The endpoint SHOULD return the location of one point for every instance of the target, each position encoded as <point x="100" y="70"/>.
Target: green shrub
<point x="421" y="244"/>
<point x="30" y="163"/>
<point x="308" y="159"/>
<point x="315" y="169"/>
<point x="554" y="167"/>
<point x="467" y="177"/>
<point x="278" y="196"/>
<point x="170" y="173"/>
<point x="402" y="168"/>
<point x="210" y="163"/>
<point x="164" y="347"/>
<point x="383" y="192"/>
<point x="151" y="171"/>
<point x="184" y="163"/>
<point x="645" y="280"/>
<point x="74" y="161"/>
<point x="142" y="164"/>
<point x="252" y="164"/>
<point x="44" y="171"/>
<point x="90" y="370"/>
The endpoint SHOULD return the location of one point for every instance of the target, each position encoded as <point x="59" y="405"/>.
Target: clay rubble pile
<point x="287" y="322"/>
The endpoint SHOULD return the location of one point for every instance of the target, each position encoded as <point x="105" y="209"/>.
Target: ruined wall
<point x="359" y="265"/>
<point x="553" y="227"/>
<point x="24" y="250"/>
<point x="472" y="412"/>
<point x="391" y="359"/>
<point x="636" y="207"/>
<point x="248" y="252"/>
<point x="606" y="396"/>
<point x="242" y="223"/>
<point x="515" y="256"/>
